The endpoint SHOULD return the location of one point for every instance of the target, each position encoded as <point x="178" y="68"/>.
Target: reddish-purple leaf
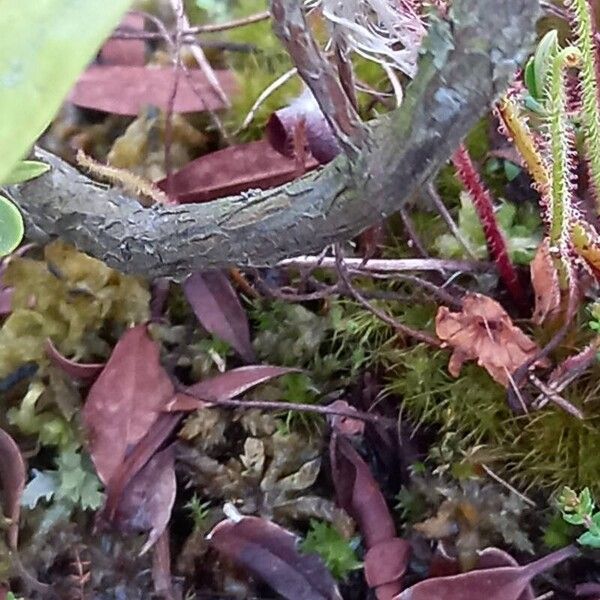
<point x="497" y="583"/>
<point x="125" y="400"/>
<point x="231" y="171"/>
<point x="270" y="553"/>
<point x="135" y="461"/>
<point x="343" y="424"/>
<point x="12" y="482"/>
<point x="130" y="52"/>
<point x="588" y="589"/>
<point x="359" y="495"/>
<point x="226" y="385"/>
<point x="304" y="109"/>
<point x="126" y="90"/>
<point x="219" y="310"/>
<point x="85" y="372"/>
<point x="148" y="499"/>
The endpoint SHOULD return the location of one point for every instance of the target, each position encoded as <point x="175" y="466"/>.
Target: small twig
<point x="396" y="325"/>
<point x="447" y="218"/>
<point x="270" y="89"/>
<point x="179" y="11"/>
<point x="507" y="485"/>
<point x="413" y="237"/>
<point x="380" y="265"/>
<point x="551" y="395"/>
<point x="396" y="85"/>
<point x="321" y="410"/>
<point x="318" y="74"/>
<point x="233" y="24"/>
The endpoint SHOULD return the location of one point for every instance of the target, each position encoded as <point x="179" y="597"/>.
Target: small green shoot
<point x="337" y="553"/>
<point x="198" y="510"/>
<point x="579" y="509"/>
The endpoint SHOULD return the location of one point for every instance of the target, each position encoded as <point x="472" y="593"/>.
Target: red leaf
<point x="148" y="499"/>
<point x="125" y="90"/>
<point x="125" y="400"/>
<point x="123" y="51"/>
<point x="70" y="367"/>
<point x="12" y="483"/>
<point x="269" y="553"/>
<point x="6" y="296"/>
<point x="219" y="310"/>
<point x="141" y="454"/>
<point x="282" y="124"/>
<point x="226" y="385"/>
<point x="497" y="583"/>
<point x="359" y="495"/>
<point x="231" y="171"/>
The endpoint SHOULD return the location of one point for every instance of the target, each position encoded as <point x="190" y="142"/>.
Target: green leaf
<point x="337" y="553"/>
<point x="542" y="60"/>
<point x="511" y="170"/>
<point x="44" y="46"/>
<point x="26" y="170"/>
<point x="529" y="78"/>
<point x="589" y="539"/>
<point x="11" y="224"/>
<point x="573" y="519"/>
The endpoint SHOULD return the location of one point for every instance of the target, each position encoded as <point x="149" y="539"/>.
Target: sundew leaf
<point x="11" y="224"/>
<point x="26" y="170"/>
<point x="44" y="46"/>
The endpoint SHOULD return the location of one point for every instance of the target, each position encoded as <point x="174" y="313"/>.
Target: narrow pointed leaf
<point x="219" y="310"/>
<point x="498" y="583"/>
<point x="270" y="553"/>
<point x="226" y="385"/>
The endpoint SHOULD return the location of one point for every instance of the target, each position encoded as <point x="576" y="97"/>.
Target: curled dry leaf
<point x="126" y="90"/>
<point x="125" y="400"/>
<point x="359" y="495"/>
<point x="12" y="483"/>
<point x="84" y="372"/>
<point x="304" y="109"/>
<point x="495" y="583"/>
<point x="225" y="385"/>
<point x="544" y="279"/>
<point x="270" y="553"/>
<point x="231" y="171"/>
<point x="219" y="310"/>
<point x="482" y="331"/>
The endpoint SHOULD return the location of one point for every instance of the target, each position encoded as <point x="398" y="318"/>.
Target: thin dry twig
<point x="396" y="325"/>
<point x="381" y="265"/>
<point x="413" y="236"/>
<point x="317" y="409"/>
<point x="294" y="32"/>
<point x="447" y="218"/>
<point x="233" y="24"/>
<point x="270" y="89"/>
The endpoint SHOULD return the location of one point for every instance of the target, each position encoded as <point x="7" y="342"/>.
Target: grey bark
<point x="465" y="65"/>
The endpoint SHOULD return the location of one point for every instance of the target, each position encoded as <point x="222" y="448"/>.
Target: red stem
<point x="496" y="244"/>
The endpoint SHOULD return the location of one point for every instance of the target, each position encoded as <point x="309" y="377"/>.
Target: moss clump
<point x="545" y="449"/>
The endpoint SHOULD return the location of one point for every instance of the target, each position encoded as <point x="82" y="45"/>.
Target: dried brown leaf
<point x="125" y="400"/>
<point x="12" y="482"/>
<point x="270" y="553"/>
<point x="544" y="279"/>
<point x="126" y="90"/>
<point x="482" y="331"/>
<point x="231" y="171"/>
<point x="496" y="583"/>
<point x="359" y="495"/>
